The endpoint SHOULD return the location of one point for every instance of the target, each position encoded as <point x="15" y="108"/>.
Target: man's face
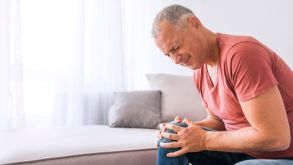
<point x="184" y="45"/>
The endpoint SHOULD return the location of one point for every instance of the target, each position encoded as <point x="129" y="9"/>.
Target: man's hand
<point x="177" y="119"/>
<point x="189" y="139"/>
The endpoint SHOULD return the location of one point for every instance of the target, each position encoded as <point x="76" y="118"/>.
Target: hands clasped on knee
<point x="182" y="134"/>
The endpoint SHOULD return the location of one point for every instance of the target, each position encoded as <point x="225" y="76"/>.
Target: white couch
<point x="98" y="144"/>
<point x="78" y="145"/>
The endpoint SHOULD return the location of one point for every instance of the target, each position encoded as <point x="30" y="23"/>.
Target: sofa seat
<point x="78" y="145"/>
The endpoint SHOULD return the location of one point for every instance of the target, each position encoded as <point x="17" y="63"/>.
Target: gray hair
<point x="171" y="14"/>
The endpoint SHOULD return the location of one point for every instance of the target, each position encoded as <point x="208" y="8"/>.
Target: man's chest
<point x="222" y="103"/>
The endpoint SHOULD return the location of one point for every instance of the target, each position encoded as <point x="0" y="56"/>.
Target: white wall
<point x="270" y="21"/>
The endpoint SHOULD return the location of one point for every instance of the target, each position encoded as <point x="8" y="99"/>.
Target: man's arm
<point x="212" y="121"/>
<point x="269" y="130"/>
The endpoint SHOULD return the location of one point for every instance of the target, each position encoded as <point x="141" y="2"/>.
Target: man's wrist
<point x="206" y="138"/>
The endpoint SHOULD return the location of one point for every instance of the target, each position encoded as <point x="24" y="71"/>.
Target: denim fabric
<point x="162" y="152"/>
<point x="211" y="157"/>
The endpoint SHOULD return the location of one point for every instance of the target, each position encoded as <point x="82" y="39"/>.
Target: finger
<point x="173" y="127"/>
<point x="159" y="136"/>
<point x="177" y="153"/>
<point x="156" y="145"/>
<point x="170" y="136"/>
<point x="188" y="122"/>
<point x="162" y="126"/>
<point x="178" y="119"/>
<point x="170" y="145"/>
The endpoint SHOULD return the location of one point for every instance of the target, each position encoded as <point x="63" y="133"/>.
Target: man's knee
<point x="165" y="140"/>
<point x="164" y="151"/>
<point x="181" y="124"/>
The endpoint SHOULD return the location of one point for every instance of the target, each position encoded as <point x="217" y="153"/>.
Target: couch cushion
<point x="135" y="109"/>
<point x="179" y="96"/>
<point x="36" y="144"/>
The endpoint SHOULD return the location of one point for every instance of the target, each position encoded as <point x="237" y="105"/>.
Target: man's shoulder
<point x="231" y="40"/>
<point x="241" y="52"/>
<point x="235" y="46"/>
<point x="228" y="42"/>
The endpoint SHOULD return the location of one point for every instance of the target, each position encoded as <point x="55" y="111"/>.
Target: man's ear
<point x="194" y="21"/>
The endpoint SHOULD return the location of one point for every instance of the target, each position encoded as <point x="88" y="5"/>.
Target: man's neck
<point x="214" y="50"/>
<point x="212" y="62"/>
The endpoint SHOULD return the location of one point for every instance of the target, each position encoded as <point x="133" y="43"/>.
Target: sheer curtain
<point x="73" y="60"/>
<point x="11" y="80"/>
<point x="62" y="60"/>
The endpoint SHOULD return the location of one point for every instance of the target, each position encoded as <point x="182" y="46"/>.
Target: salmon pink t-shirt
<point x="246" y="69"/>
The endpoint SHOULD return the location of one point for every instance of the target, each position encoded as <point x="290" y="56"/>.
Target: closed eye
<point x="173" y="49"/>
<point x="176" y="48"/>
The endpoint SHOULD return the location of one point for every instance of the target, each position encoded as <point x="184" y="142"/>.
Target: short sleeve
<point x="251" y="70"/>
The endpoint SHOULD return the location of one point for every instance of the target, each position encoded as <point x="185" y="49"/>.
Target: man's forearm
<point x="242" y="140"/>
<point x="211" y="123"/>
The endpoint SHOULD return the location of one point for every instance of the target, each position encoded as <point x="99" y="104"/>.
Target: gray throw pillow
<point x="135" y="109"/>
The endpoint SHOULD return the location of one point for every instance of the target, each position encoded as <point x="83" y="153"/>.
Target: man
<point x="245" y="87"/>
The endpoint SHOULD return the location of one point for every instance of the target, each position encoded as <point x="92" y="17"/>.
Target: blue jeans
<point x="212" y="157"/>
